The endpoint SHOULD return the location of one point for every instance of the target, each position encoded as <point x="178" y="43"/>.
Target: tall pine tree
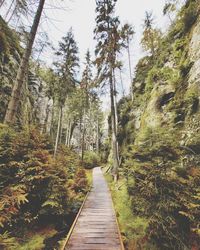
<point x="67" y="66"/>
<point x="109" y="43"/>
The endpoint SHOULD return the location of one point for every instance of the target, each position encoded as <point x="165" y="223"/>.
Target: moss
<point x="89" y="177"/>
<point x="132" y="227"/>
<point x="191" y="99"/>
<point x="185" y="19"/>
<point x="35" y="240"/>
<point x="163" y="151"/>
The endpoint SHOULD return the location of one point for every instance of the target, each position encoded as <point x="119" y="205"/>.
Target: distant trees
<point x="16" y="8"/>
<point x="151" y="35"/>
<point x="170" y="8"/>
<point x="66" y="67"/>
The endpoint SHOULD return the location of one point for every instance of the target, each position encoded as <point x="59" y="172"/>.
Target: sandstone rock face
<point x="194" y="54"/>
<point x="155" y="113"/>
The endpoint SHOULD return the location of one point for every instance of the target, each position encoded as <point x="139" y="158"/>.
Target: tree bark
<point x="115" y="100"/>
<point x="68" y="133"/>
<point x="58" y="132"/>
<point x="97" y="139"/>
<point x="83" y="140"/>
<point x="1" y="3"/>
<point x="116" y="113"/>
<point x="44" y="127"/>
<point x="52" y="118"/>
<point x="9" y="9"/>
<point x="114" y="131"/>
<point x="130" y="70"/>
<point x="61" y="126"/>
<point x="123" y="92"/>
<point x="10" y="117"/>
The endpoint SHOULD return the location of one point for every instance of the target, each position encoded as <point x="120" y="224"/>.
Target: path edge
<point x="117" y="222"/>
<point x="74" y="223"/>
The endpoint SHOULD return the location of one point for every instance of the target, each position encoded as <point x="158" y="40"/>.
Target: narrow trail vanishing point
<point x="96" y="227"/>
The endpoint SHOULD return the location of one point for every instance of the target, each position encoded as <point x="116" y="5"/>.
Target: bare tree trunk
<point x="13" y="105"/>
<point x="97" y="139"/>
<point x="116" y="113"/>
<point x="1" y="3"/>
<point x="52" y="118"/>
<point x="61" y="126"/>
<point x="68" y="133"/>
<point x="115" y="100"/>
<point x="130" y="68"/>
<point x="58" y="132"/>
<point x="123" y="92"/>
<point x="89" y="126"/>
<point x="80" y="140"/>
<point x="114" y="130"/>
<point x="83" y="137"/>
<point x="72" y="127"/>
<point x="44" y="129"/>
<point x="9" y="9"/>
<point x="11" y="16"/>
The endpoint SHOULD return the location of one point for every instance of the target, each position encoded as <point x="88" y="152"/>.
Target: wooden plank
<point x="96" y="227"/>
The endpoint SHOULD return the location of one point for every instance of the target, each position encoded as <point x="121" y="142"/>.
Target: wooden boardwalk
<point x="96" y="227"/>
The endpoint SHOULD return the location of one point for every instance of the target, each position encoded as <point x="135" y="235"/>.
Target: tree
<point x="10" y="117"/>
<point x="127" y="33"/>
<point x="16" y="8"/>
<point x="170" y="8"/>
<point x="50" y="82"/>
<point x="108" y="36"/>
<point x="86" y="83"/>
<point x="66" y="67"/>
<point x="151" y="35"/>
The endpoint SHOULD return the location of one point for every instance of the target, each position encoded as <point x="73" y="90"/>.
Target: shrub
<point x="35" y="187"/>
<point x="91" y="160"/>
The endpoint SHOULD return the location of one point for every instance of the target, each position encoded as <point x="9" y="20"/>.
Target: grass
<point x="89" y="176"/>
<point x="34" y="240"/>
<point x="131" y="226"/>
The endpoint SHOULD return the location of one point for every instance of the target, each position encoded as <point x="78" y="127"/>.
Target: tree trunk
<point x="58" y="132"/>
<point x="11" y="16"/>
<point x="52" y="118"/>
<point x="44" y="127"/>
<point x="1" y="3"/>
<point x="130" y="70"/>
<point x="68" y="133"/>
<point x="97" y="139"/>
<point x="61" y="126"/>
<point x="83" y="137"/>
<point x="114" y="131"/>
<point x="116" y="113"/>
<point x="13" y="105"/>
<point x="9" y="9"/>
<point x="73" y="125"/>
<point x="115" y="100"/>
<point x="123" y="92"/>
<point x="80" y="137"/>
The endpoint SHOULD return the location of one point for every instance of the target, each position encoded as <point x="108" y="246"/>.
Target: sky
<point x="59" y="16"/>
<point x="80" y="15"/>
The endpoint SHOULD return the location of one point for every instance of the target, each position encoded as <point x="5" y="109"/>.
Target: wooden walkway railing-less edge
<point x="74" y="223"/>
<point x="118" y="227"/>
<point x="97" y="199"/>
